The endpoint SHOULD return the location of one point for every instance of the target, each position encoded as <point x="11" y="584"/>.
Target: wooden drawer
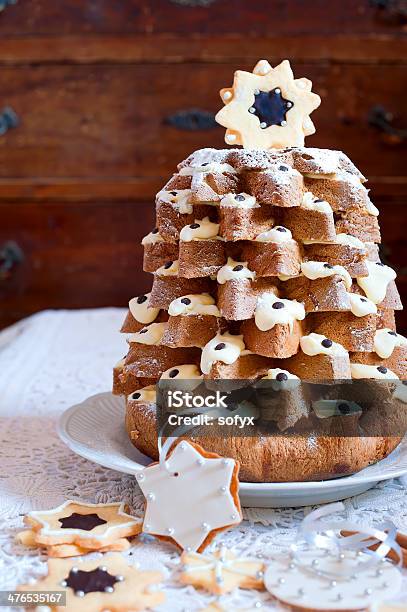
<point x="111" y="122"/>
<point x="284" y="17"/>
<point x="89" y="254"/>
<point x="85" y="255"/>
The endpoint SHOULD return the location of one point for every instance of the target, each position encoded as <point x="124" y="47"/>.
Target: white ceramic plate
<point x="95" y="430"/>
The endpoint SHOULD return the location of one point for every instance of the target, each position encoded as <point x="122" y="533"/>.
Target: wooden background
<point x="95" y="83"/>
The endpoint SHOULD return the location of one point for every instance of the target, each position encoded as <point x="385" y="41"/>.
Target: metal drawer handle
<point x="395" y="10"/>
<point x="192" y="119"/>
<point x="5" y="3"/>
<point x="382" y="120"/>
<point x="10" y="256"/>
<point x="192" y="3"/>
<point x="8" y="120"/>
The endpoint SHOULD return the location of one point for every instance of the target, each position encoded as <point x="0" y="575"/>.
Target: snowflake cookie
<point x="93" y="586"/>
<point x="222" y="571"/>
<point x="268" y="108"/>
<point x="190" y="497"/>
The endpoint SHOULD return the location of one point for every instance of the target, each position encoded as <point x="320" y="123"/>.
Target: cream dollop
<point x="400" y="392"/>
<point x="234" y="270"/>
<point x="179" y="198"/>
<point x="146" y="395"/>
<point x="194" y="304"/>
<point x="317" y="344"/>
<point x="361" y="370"/>
<point x="148" y="335"/>
<point x="239" y="200"/>
<point x="361" y="306"/>
<point x="324" y="409"/>
<point x="140" y="310"/>
<point x="277" y="234"/>
<point x="371" y="208"/>
<point x="152" y="238"/>
<point x="223" y="347"/>
<point x="386" y="340"/>
<point x="188" y="373"/>
<point x="312" y="203"/>
<point x="322" y="269"/>
<point x="375" y="285"/>
<point x="350" y="241"/>
<point x="202" y="229"/>
<point x="182" y="372"/>
<point x="206" y="167"/>
<point x="168" y="269"/>
<point x="272" y="310"/>
<point x="282" y="379"/>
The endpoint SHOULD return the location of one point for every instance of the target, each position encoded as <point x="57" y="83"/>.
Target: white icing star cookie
<point x="268" y="108"/>
<point x="191" y="500"/>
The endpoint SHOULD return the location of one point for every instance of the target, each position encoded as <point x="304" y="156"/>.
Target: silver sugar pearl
<point x="109" y="589"/>
<point x="368" y="591"/>
<point x="379" y="572"/>
<point x="259" y="574"/>
<point x="205" y="526"/>
<point x="140" y="476"/>
<point x="223" y="490"/>
<point x="146" y="527"/>
<point x="102" y="568"/>
<point x="292" y="566"/>
<point x="200" y="462"/>
<point x="252" y="109"/>
<point x="63" y="583"/>
<point x="233" y="517"/>
<point x="119" y="578"/>
<point x="289" y="104"/>
<point x="341" y="557"/>
<point x="258" y="604"/>
<point x="333" y="583"/>
<point x="79" y="593"/>
<point x="315" y="562"/>
<point x="283" y="123"/>
<point x="281" y="581"/>
<point x="150" y="496"/>
<point x="263" y="125"/>
<point x="256" y="92"/>
<point x="170" y="530"/>
<point x="74" y="569"/>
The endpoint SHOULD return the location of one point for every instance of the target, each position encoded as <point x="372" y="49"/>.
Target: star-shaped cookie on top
<point x="268" y="108"/>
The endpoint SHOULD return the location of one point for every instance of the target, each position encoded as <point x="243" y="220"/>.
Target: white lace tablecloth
<point x="57" y="358"/>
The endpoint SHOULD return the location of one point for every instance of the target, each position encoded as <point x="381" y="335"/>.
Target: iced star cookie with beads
<point x="85" y="525"/>
<point x="191" y="496"/>
<point x="268" y="108"/>
<point x="107" y="584"/>
<point x="222" y="571"/>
